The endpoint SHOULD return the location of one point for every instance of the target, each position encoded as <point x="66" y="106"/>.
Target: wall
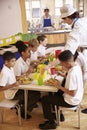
<point x="10" y="18"/>
<point x="85" y="7"/>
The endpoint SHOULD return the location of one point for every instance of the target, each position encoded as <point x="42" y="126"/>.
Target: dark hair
<point x="21" y="46"/>
<point x="19" y="43"/>
<point x="74" y="15"/>
<point x="76" y="55"/>
<point x="65" y="55"/>
<point x="41" y="38"/>
<point x="8" y="55"/>
<point x="46" y="10"/>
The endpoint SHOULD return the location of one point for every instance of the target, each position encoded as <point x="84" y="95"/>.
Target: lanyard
<point x="75" y="20"/>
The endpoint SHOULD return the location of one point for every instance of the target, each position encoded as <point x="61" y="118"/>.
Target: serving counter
<point x="56" y="37"/>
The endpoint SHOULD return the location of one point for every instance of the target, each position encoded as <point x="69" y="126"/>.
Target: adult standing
<point x="47" y="20"/>
<point x="78" y="35"/>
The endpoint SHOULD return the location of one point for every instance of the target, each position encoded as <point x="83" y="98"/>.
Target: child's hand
<point x="30" y="70"/>
<point x="60" y="73"/>
<point x="16" y="84"/>
<point x="56" y="83"/>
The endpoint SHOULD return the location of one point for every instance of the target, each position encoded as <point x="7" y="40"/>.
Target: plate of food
<point x="25" y="80"/>
<point x="50" y="82"/>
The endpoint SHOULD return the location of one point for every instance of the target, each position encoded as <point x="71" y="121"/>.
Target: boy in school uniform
<point x="73" y="90"/>
<point x="7" y="76"/>
<point x="8" y="80"/>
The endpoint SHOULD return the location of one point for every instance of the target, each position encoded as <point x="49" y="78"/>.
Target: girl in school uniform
<point x="33" y="45"/>
<point x="22" y="67"/>
<point x="42" y="39"/>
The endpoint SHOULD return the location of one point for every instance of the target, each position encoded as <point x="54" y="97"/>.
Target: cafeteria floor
<point x="70" y="123"/>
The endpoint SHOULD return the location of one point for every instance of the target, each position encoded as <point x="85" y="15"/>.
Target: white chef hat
<point x="67" y="10"/>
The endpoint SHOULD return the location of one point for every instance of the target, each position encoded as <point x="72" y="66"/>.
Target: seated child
<point x="22" y="68"/>
<point x="33" y="45"/>
<point x="42" y="39"/>
<point x="7" y="77"/>
<point x="73" y="90"/>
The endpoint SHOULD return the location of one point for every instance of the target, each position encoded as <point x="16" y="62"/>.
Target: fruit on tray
<point x="25" y="80"/>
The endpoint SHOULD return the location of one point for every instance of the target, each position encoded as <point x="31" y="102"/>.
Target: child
<point x="33" y="45"/>
<point x="7" y="77"/>
<point x="81" y="60"/>
<point x="22" y="64"/>
<point x="73" y="90"/>
<point x="42" y="47"/>
<point x="22" y="68"/>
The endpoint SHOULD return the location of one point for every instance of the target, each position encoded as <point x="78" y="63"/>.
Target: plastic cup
<point x="41" y="67"/>
<point x="36" y="75"/>
<point x="40" y="81"/>
<point x="53" y="71"/>
<point x="51" y="57"/>
<point x="57" y="52"/>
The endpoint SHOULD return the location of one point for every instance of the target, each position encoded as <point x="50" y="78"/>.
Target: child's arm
<point x="57" y="84"/>
<point x="61" y="73"/>
<point x="34" y="62"/>
<point x="2" y="88"/>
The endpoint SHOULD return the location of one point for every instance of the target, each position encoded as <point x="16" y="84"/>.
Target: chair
<point x="75" y="109"/>
<point x="10" y="104"/>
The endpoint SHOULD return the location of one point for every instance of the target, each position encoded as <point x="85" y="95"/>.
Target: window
<point x="35" y="8"/>
<point x="59" y="3"/>
<point x="27" y="6"/>
<point x="32" y="9"/>
<point x="81" y="8"/>
<point x="69" y="2"/>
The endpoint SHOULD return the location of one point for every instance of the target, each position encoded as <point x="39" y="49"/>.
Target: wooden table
<point x="34" y="86"/>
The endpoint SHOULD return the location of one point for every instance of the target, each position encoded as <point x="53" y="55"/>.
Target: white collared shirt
<point x="74" y="81"/>
<point x="21" y="66"/>
<point x="34" y="56"/>
<point x="7" y="77"/>
<point x="41" y="50"/>
<point x="78" y="36"/>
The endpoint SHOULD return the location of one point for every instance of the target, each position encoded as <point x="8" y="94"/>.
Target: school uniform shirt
<point x="47" y="21"/>
<point x="74" y="81"/>
<point x="85" y="55"/>
<point x="78" y="36"/>
<point x="34" y="56"/>
<point x="21" y="66"/>
<point x="7" y="77"/>
<point x="41" y="50"/>
<point x="82" y="62"/>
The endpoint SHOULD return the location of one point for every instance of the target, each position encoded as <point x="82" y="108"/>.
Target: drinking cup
<point x="53" y="71"/>
<point x="57" y="52"/>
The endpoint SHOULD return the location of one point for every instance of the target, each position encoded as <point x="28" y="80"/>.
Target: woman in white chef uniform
<point x="78" y="35"/>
